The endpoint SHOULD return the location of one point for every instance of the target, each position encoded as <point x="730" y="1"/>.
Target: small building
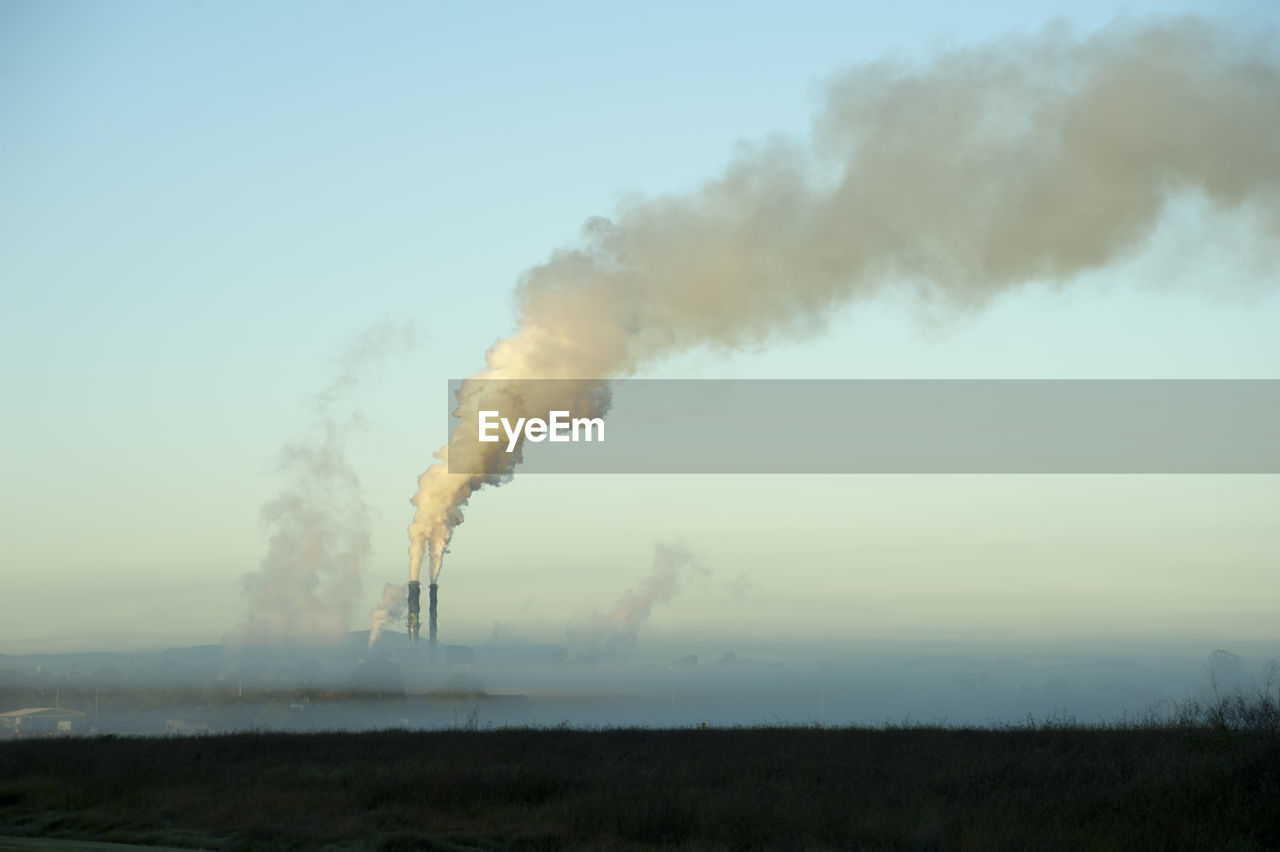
<point x="41" y="720"/>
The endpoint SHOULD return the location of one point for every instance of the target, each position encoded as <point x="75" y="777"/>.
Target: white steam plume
<point x="610" y="636"/>
<point x="392" y="605"/>
<point x="318" y="546"/>
<point x="1027" y="159"/>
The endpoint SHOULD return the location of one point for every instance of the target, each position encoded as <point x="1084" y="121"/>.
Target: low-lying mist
<point x="358" y="686"/>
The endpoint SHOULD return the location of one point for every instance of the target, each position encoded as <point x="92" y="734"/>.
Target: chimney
<point x="415" y="606"/>
<point x="431" y="618"/>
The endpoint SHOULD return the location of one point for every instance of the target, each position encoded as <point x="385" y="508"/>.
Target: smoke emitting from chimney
<point x="390" y="607"/>
<point x="1033" y="159"/>
<point x="610" y="636"/>
<point x="306" y="585"/>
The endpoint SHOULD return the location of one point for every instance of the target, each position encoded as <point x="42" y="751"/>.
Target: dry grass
<point x="1203" y="777"/>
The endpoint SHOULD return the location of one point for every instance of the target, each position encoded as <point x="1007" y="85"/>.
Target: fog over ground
<point x="349" y="687"/>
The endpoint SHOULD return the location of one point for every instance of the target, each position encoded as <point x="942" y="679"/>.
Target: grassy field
<point x="1027" y="787"/>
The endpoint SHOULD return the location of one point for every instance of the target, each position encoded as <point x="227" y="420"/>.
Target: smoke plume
<point x="318" y="541"/>
<point x="390" y="607"/>
<point x="1025" y="160"/>
<point x="610" y="636"/>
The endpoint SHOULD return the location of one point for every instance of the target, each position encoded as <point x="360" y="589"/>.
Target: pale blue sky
<point x="201" y="203"/>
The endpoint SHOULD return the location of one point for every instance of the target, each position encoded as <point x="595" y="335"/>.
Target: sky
<point x="203" y="206"/>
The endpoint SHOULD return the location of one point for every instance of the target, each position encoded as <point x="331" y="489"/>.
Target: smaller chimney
<point x="431" y="629"/>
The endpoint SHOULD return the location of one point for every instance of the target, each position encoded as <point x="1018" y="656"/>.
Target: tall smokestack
<point x="415" y="606"/>
<point x="431" y="617"/>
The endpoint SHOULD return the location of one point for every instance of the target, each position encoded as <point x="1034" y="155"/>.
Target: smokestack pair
<point x="415" y="608"/>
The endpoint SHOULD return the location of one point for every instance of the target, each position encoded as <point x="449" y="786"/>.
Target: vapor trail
<point x="1023" y="160"/>
<point x="391" y="606"/>
<point x="611" y="635"/>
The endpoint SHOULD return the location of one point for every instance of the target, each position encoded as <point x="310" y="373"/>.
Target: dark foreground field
<point x="771" y="788"/>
